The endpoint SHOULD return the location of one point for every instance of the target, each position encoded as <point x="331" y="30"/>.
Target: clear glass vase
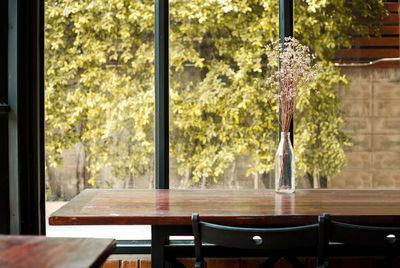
<point x="284" y="165"/>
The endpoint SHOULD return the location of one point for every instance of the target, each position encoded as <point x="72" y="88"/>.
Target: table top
<point x="49" y="252"/>
<point x="232" y="207"/>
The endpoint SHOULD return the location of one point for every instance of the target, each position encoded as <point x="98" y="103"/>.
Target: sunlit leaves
<point x="99" y="67"/>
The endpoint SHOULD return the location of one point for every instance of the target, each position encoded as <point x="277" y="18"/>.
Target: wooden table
<point x="169" y="211"/>
<point x="49" y="252"/>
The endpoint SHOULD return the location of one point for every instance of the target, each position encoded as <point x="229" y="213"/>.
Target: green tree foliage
<point x="99" y="97"/>
<point x="99" y="84"/>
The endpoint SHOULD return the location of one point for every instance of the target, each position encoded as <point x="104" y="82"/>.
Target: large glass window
<point x="99" y="90"/>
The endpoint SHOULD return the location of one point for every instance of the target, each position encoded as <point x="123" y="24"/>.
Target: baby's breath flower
<point x="294" y="69"/>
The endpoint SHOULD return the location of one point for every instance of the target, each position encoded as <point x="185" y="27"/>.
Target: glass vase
<point x="284" y="165"/>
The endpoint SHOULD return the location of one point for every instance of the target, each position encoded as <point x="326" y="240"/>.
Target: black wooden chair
<point x="342" y="239"/>
<point x="274" y="243"/>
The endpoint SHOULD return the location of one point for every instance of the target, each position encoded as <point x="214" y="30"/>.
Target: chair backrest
<point x="300" y="237"/>
<point x="361" y="235"/>
<point x="255" y="238"/>
<point x="367" y="240"/>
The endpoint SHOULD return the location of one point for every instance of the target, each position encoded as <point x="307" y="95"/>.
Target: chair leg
<point x="295" y="262"/>
<point x="174" y="263"/>
<point x="270" y="262"/>
<point x="200" y="264"/>
<point x="323" y="264"/>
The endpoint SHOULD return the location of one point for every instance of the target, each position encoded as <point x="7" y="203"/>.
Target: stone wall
<point x="372" y="116"/>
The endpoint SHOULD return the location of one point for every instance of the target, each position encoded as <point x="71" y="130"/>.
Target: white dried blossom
<point x="294" y="69"/>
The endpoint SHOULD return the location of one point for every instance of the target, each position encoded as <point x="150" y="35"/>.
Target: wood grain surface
<point x="244" y="207"/>
<point x="51" y="252"/>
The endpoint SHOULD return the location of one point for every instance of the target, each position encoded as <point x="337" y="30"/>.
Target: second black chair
<point x="275" y="243"/>
<point x="343" y="239"/>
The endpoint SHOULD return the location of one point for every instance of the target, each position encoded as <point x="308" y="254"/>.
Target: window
<point x="99" y="64"/>
<point x="223" y="118"/>
<point x="365" y="151"/>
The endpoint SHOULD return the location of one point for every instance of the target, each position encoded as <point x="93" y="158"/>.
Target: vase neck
<point x="285" y="133"/>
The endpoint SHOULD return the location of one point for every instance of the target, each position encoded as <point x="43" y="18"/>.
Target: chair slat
<point x="269" y="238"/>
<point x="275" y="242"/>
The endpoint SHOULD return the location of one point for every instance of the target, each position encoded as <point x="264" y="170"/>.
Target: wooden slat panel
<point x="145" y="264"/>
<point x="130" y="264"/>
<point x="390" y="19"/>
<point x="392" y="7"/>
<point x="385" y="30"/>
<point x="375" y="41"/>
<point x="389" y="30"/>
<point x="367" y="53"/>
<point x="111" y="264"/>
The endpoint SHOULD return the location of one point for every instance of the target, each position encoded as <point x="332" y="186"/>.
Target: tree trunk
<point x="324" y="182"/>
<point x="256" y="180"/>
<point x="186" y="178"/>
<point x="310" y="179"/>
<point x="129" y="180"/>
<point x="132" y="179"/>
<point x="86" y="172"/>
<point x="151" y="181"/>
<point x="78" y="172"/>
<point x="233" y="182"/>
<point x="266" y="179"/>
<point x="317" y="183"/>
<point x="55" y="187"/>
<point x="203" y="183"/>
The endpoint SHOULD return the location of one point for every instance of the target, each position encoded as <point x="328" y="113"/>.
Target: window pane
<point x="358" y="148"/>
<point x="99" y="95"/>
<point x="223" y="115"/>
<point x="224" y="121"/>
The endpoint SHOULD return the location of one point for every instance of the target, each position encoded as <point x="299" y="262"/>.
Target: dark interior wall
<point x="4" y="183"/>
<point x="31" y="116"/>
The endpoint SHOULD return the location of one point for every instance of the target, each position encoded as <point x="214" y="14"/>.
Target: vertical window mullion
<point x="26" y="117"/>
<point x="285" y="30"/>
<point x="13" y="158"/>
<point x="161" y="94"/>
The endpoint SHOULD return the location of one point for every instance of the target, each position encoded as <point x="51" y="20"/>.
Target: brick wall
<point x="372" y="116"/>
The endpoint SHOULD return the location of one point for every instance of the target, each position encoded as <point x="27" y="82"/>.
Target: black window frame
<point x="22" y="125"/>
<point x="22" y="171"/>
